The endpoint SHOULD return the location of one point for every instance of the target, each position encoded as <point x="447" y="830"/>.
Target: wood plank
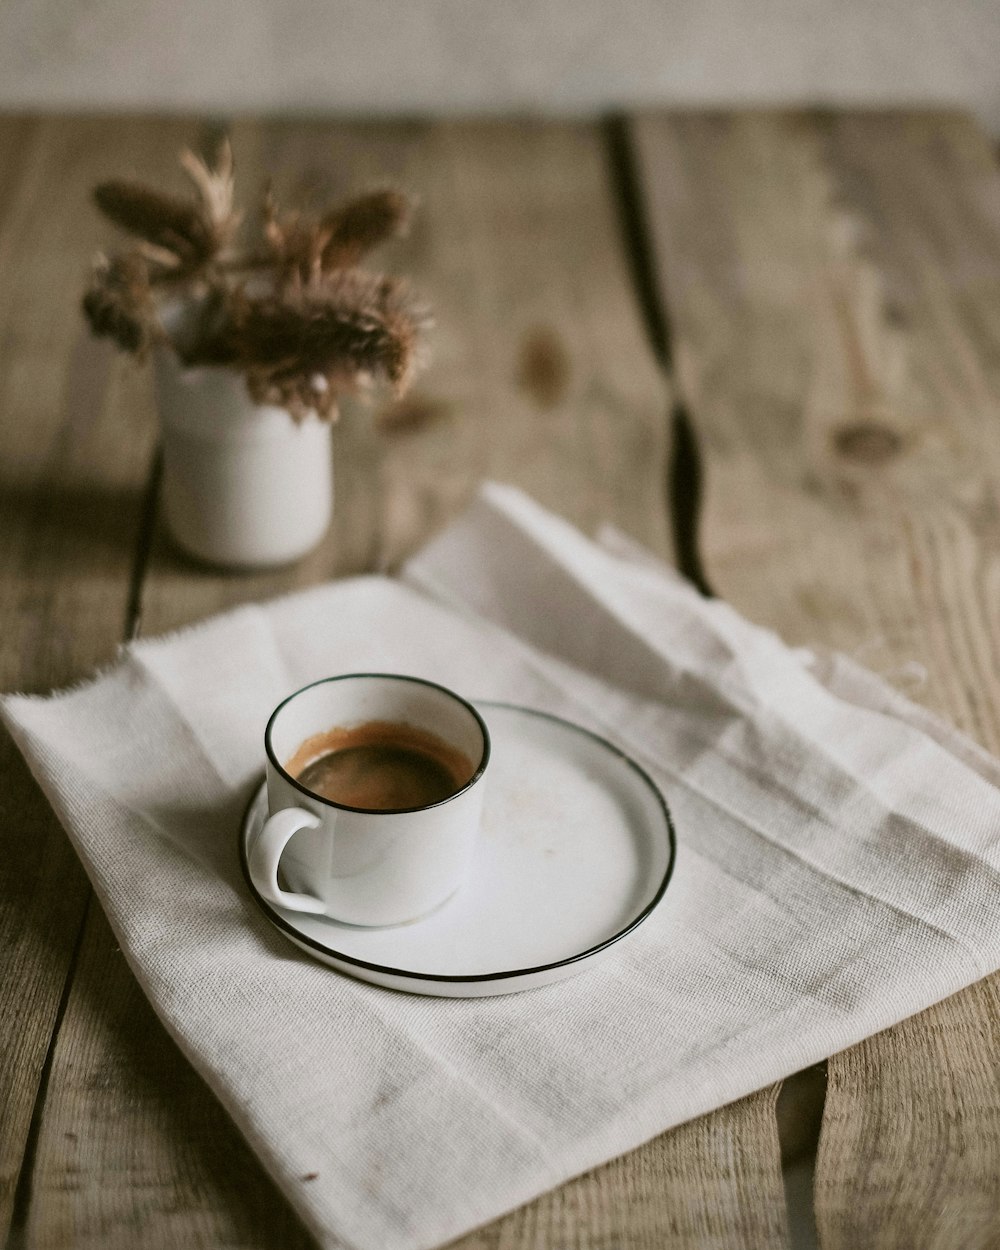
<point x="923" y="1097"/>
<point x="712" y="1184"/>
<point x="168" y="1133"/>
<point x="834" y="288"/>
<point x="71" y="473"/>
<point x="517" y="242"/>
<point x="937" y="186"/>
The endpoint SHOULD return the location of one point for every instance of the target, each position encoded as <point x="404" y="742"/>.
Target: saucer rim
<point x="478" y="978"/>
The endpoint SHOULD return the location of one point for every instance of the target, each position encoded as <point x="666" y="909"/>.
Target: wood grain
<point x="834" y="289"/>
<point x="912" y="1128"/>
<point x="712" y="1184"/>
<point x="175" y="1171"/>
<point x="517" y="246"/>
<point x="71" y="470"/>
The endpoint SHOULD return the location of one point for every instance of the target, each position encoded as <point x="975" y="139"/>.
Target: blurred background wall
<point x="402" y="56"/>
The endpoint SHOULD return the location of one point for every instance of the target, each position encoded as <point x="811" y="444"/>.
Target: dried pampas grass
<point x="341" y="333"/>
<point x="292" y="311"/>
<point x="119" y="303"/>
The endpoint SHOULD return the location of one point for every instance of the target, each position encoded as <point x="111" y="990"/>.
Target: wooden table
<point x="793" y="320"/>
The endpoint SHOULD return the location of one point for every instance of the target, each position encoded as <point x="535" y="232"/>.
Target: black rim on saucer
<point x="508" y="974"/>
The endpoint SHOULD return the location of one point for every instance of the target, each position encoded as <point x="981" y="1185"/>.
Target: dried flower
<point x="305" y="248"/>
<point x="119" y="303"/>
<point x="216" y="188"/>
<point x="340" y="333"/>
<point x="295" y="244"/>
<point x="180" y="235"/>
<point x="165" y="221"/>
<point x="295" y="314"/>
<point x="358" y="226"/>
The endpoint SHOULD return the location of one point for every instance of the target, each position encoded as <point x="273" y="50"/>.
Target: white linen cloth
<point x="838" y="870"/>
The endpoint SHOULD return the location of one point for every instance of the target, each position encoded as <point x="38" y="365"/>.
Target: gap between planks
<point x="800" y="1102"/>
<point x="684" y="469"/>
<point x="145" y="533"/>
<point x="22" y="1192"/>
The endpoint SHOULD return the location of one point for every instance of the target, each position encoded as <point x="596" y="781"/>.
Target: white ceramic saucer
<point x="575" y="851"/>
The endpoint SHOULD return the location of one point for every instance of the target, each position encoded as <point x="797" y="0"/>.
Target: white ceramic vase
<point x="244" y="485"/>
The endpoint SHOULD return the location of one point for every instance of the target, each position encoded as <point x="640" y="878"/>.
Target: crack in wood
<point x="145" y="534"/>
<point x="802" y="1098"/>
<point x="684" y="470"/>
<point x="23" y="1189"/>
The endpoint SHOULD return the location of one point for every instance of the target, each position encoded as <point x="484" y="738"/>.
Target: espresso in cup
<point x="383" y="766"/>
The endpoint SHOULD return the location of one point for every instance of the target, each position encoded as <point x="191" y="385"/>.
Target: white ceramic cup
<point x="358" y="865"/>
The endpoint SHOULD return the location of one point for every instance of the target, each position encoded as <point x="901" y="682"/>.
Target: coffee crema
<point x="381" y="766"/>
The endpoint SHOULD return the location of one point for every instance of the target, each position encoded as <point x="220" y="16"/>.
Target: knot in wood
<point x="544" y="367"/>
<point x="867" y="442"/>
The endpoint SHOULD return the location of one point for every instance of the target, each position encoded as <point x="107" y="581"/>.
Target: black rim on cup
<point x="396" y="811"/>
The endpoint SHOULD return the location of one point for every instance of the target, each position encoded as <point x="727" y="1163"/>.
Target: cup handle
<point x="266" y="852"/>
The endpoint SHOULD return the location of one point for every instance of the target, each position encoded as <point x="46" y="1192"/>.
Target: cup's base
<point x="395" y="924"/>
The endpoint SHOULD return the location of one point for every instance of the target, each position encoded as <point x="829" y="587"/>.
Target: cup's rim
<point x="377" y="811"/>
